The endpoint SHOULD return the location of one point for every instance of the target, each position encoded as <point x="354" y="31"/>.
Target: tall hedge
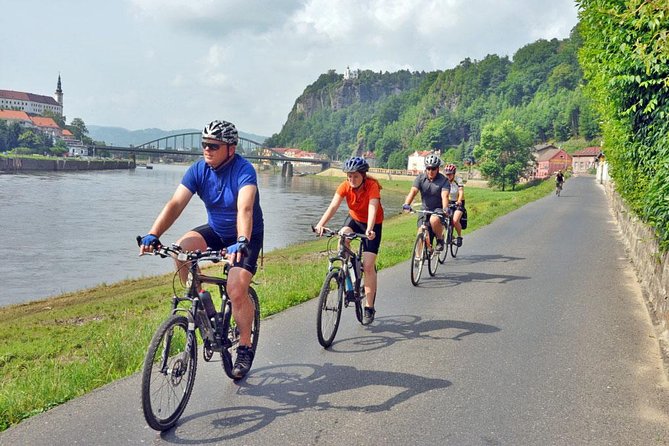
<point x="625" y="62"/>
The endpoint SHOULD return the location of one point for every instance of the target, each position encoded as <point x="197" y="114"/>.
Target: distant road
<point x="536" y="335"/>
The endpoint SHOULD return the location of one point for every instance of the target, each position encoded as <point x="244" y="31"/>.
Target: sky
<point x="178" y="64"/>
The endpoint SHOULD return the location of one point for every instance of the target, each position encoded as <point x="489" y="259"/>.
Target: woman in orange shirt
<point x="363" y="197"/>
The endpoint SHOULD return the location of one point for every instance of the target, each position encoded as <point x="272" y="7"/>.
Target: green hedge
<point x="625" y="61"/>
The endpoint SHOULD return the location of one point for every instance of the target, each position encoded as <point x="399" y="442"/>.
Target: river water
<point x="62" y="232"/>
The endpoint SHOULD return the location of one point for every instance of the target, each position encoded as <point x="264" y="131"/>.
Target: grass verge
<point x="57" y="349"/>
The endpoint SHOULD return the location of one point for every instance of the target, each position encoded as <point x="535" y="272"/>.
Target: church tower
<point x="59" y="92"/>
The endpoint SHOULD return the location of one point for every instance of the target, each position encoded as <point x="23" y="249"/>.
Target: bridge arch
<point x="191" y="142"/>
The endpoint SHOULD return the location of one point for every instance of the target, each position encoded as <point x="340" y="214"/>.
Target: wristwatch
<point x="242" y="239"/>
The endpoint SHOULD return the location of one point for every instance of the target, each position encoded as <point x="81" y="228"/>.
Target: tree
<point x="504" y="154"/>
<point x="78" y="128"/>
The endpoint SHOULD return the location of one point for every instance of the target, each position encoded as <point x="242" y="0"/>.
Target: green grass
<point x="57" y="349"/>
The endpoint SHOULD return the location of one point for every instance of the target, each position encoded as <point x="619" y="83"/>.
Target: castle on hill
<point x="32" y="103"/>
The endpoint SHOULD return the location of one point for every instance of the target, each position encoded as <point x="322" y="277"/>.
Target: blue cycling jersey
<point x="219" y="189"/>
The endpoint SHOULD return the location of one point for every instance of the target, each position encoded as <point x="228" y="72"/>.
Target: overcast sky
<point x="175" y="64"/>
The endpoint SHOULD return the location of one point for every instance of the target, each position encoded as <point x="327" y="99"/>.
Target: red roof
<point x="29" y="97"/>
<point x="549" y="154"/>
<point x="588" y="152"/>
<point x="14" y="115"/>
<point x="41" y="121"/>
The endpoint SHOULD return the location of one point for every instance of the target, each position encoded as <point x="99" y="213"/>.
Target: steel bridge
<point x="189" y="144"/>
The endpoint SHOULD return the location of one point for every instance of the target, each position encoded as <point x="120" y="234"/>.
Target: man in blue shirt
<point x="228" y="186"/>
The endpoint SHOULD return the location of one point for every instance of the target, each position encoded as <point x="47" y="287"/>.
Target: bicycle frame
<point x="344" y="255"/>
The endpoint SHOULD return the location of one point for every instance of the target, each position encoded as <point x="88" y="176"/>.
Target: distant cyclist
<point x="434" y="189"/>
<point x="456" y="198"/>
<point x="559" y="179"/>
<point x="363" y="197"/>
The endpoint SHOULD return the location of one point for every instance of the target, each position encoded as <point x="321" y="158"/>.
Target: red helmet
<point x="450" y="168"/>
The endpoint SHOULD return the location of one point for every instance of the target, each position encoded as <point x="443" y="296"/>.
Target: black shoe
<point x="440" y="245"/>
<point x="243" y="362"/>
<point x="368" y="316"/>
<point x="458" y="242"/>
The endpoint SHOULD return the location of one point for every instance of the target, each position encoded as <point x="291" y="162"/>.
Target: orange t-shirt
<point x="358" y="199"/>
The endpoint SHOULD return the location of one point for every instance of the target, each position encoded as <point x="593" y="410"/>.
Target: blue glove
<point x="406" y="207"/>
<point x="150" y="240"/>
<point x="238" y="247"/>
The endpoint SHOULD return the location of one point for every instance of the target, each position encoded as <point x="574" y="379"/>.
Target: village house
<point x="585" y="159"/>
<point x="548" y="160"/>
<point x="416" y="163"/>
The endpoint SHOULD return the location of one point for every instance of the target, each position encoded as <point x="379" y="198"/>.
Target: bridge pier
<point x="287" y="169"/>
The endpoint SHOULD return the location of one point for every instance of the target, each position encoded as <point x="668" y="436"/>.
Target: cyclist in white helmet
<point x="434" y="188"/>
<point x="228" y="186"/>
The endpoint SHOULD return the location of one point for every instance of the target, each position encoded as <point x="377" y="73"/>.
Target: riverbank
<point x="28" y="164"/>
<point x="57" y="349"/>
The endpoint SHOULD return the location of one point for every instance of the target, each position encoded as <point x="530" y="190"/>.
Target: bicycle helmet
<point x="432" y="160"/>
<point x="223" y="131"/>
<point x="355" y="164"/>
<point x="450" y="168"/>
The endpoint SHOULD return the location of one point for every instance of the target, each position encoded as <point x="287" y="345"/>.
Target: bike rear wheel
<point x="417" y="260"/>
<point x="168" y="373"/>
<point x="233" y="333"/>
<point x="330" y="303"/>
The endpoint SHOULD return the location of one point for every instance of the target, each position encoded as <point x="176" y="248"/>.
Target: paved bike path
<point x="536" y="335"/>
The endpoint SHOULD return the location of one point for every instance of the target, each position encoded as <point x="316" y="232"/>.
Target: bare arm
<point x="371" y="217"/>
<point x="169" y="214"/>
<point x="461" y="195"/>
<point x="245" y="200"/>
<point x="329" y="212"/>
<point x="411" y="195"/>
<point x="444" y="199"/>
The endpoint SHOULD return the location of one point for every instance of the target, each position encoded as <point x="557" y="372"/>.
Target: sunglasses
<point x="431" y="168"/>
<point x="210" y="146"/>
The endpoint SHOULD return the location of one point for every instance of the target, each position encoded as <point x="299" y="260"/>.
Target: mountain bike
<point x="170" y="364"/>
<point x="423" y="251"/>
<point x="558" y="188"/>
<point x="344" y="285"/>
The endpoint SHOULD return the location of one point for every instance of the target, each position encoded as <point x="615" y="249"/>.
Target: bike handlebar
<point x="330" y="233"/>
<point x="176" y="252"/>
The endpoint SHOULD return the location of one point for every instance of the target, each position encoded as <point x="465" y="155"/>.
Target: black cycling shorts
<point x="360" y="228"/>
<point x="249" y="262"/>
<point x="421" y="217"/>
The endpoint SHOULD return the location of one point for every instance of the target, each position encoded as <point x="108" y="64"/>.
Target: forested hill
<point x="393" y="114"/>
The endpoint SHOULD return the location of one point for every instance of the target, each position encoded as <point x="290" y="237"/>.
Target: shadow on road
<point x="479" y="258"/>
<point x="388" y="330"/>
<point x="295" y="388"/>
<point x="451" y="279"/>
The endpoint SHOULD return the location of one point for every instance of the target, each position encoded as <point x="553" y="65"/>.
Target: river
<point x="64" y="232"/>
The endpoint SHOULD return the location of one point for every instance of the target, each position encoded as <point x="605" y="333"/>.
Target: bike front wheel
<point x="330" y="302"/>
<point x="169" y="373"/>
<point x="417" y="259"/>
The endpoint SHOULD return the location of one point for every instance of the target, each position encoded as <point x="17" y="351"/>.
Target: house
<point x="47" y="126"/>
<point x="585" y="159"/>
<point x="12" y="116"/>
<point x="550" y="160"/>
<point x="416" y="164"/>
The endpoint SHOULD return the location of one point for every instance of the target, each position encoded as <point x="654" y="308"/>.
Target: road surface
<point x="537" y="334"/>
